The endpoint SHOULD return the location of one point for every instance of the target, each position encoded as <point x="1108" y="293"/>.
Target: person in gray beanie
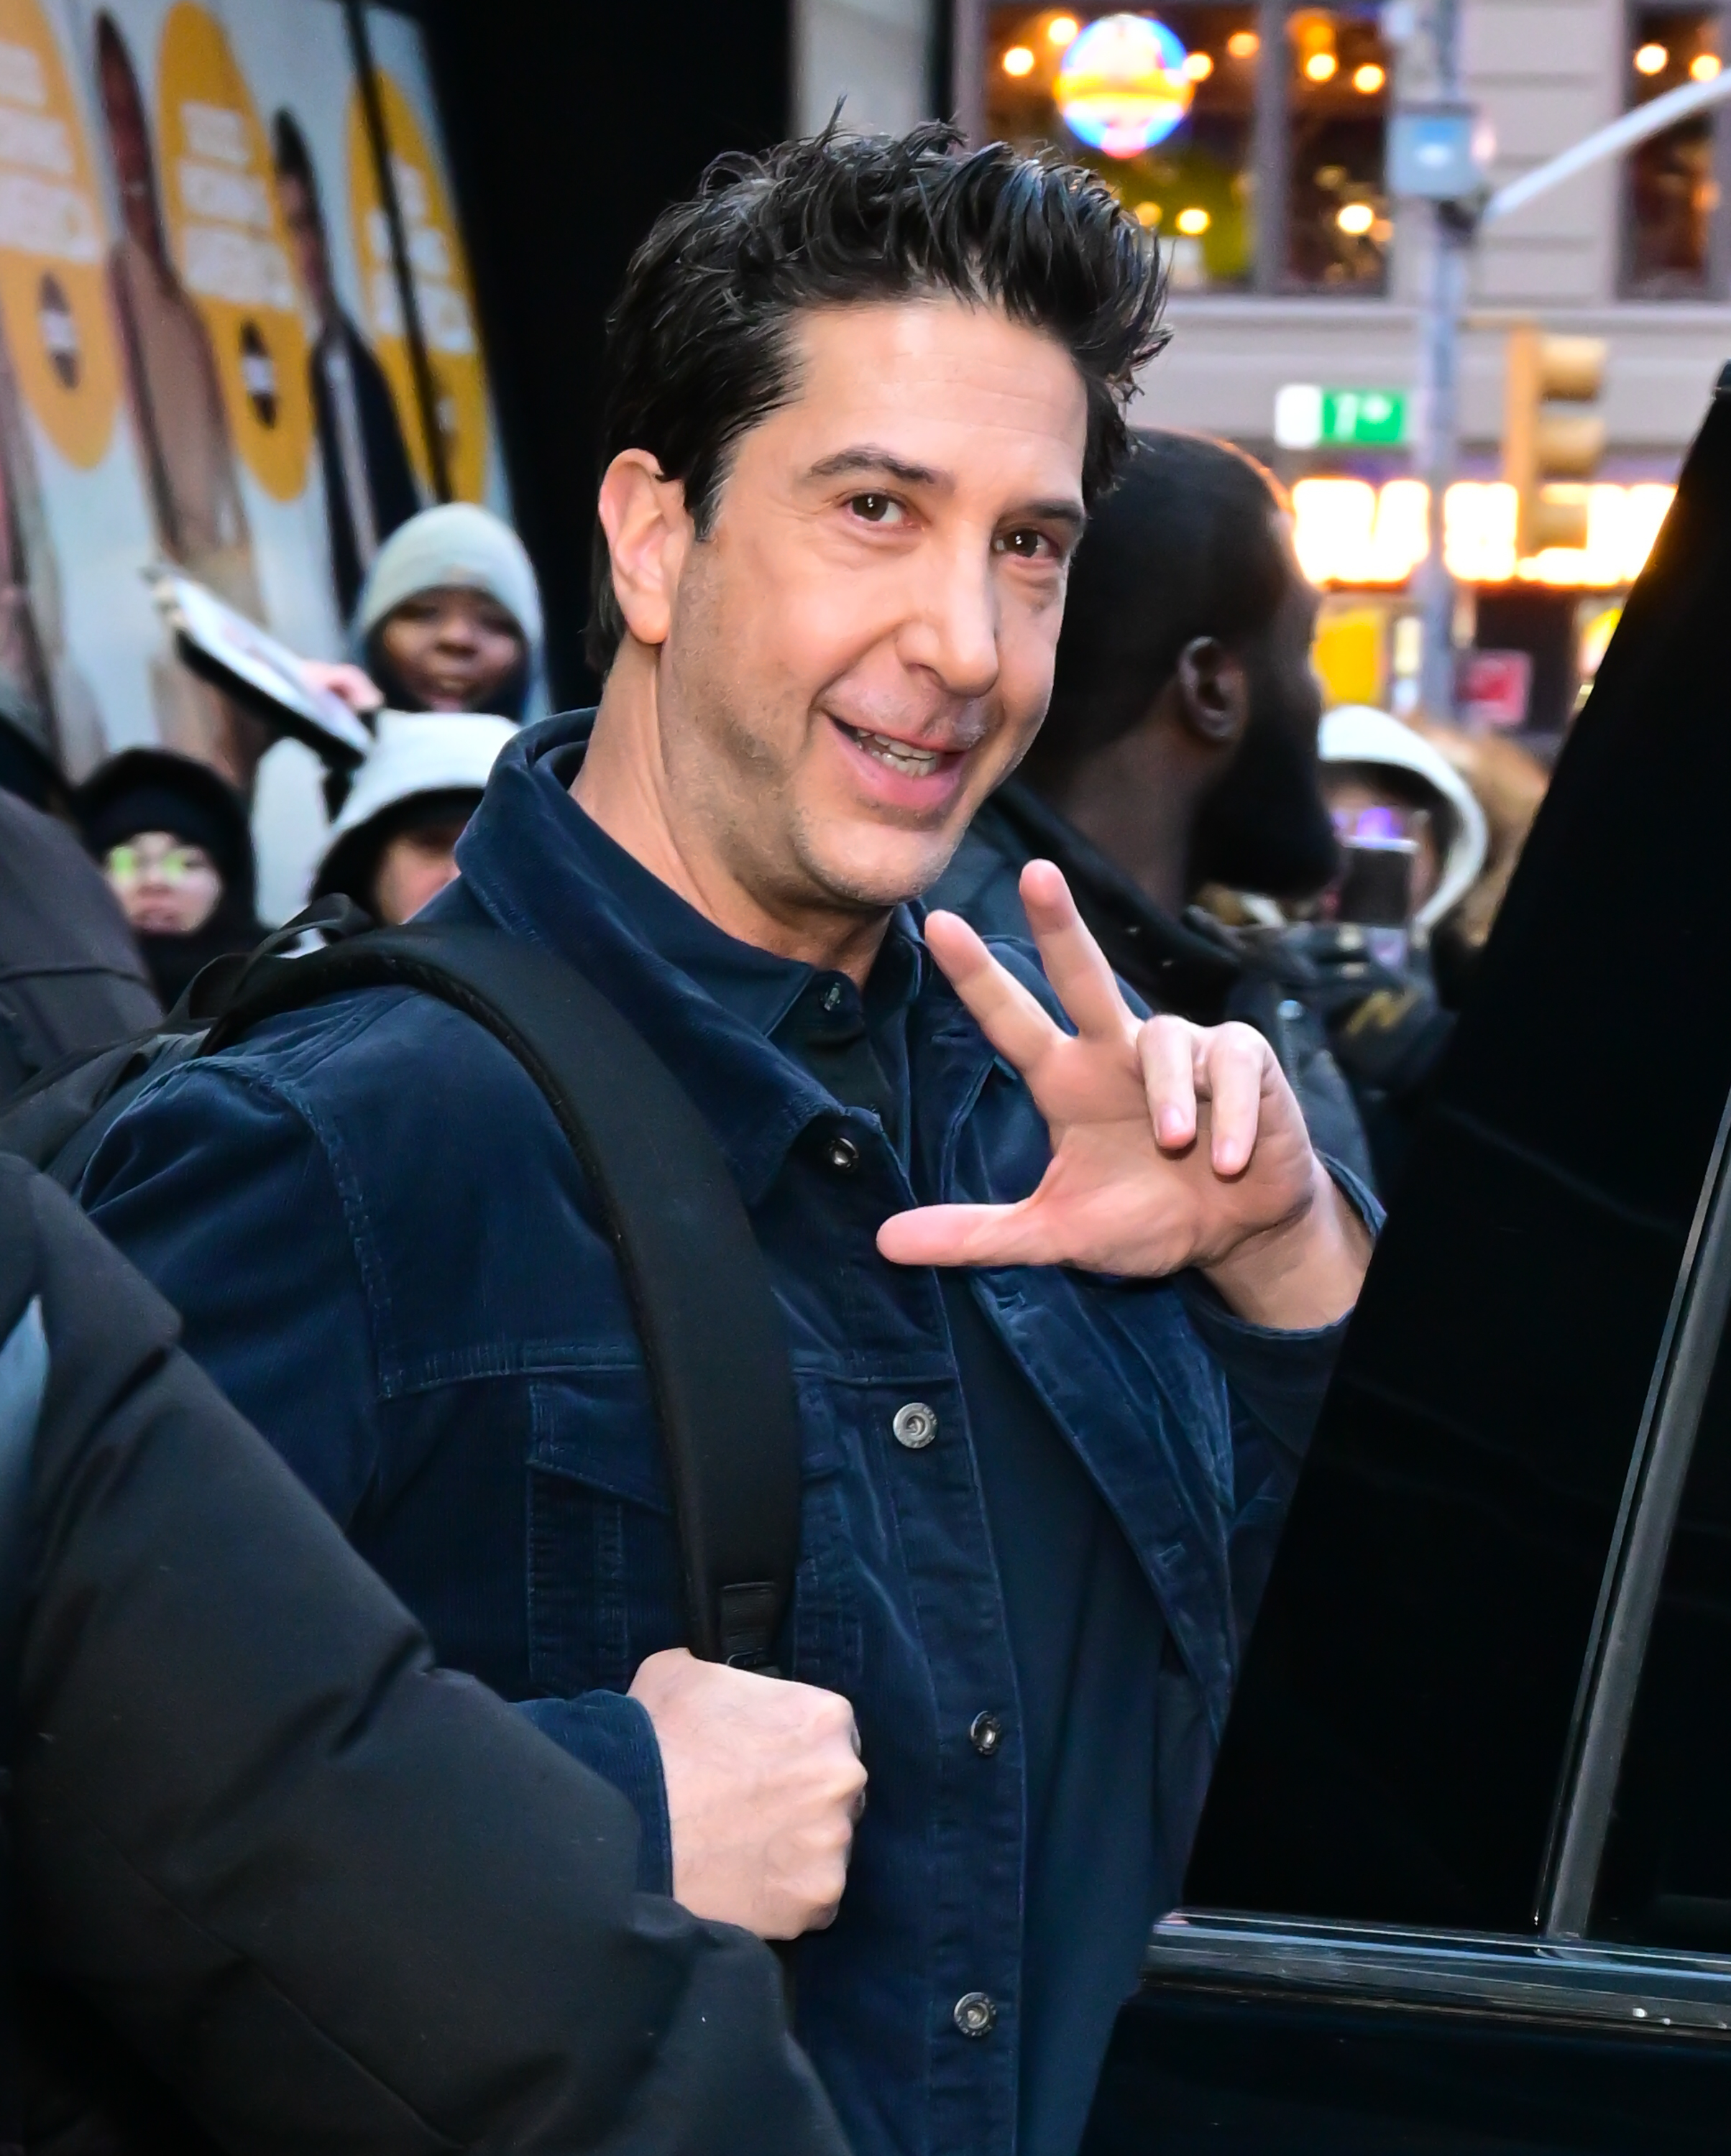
<point x="448" y="619"/>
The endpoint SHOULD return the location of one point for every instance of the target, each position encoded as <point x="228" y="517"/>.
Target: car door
<point x="1463" y="1880"/>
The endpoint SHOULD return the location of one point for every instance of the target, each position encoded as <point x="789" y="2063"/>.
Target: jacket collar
<point x="706" y="1003"/>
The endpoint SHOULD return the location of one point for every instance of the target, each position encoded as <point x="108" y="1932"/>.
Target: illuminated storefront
<point x="1251" y="139"/>
<point x="1361" y="543"/>
<point x="1350" y="532"/>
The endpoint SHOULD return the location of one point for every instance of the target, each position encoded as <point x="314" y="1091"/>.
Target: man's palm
<point x="1172" y="1145"/>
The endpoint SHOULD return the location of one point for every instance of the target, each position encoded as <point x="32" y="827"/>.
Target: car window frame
<point x="1635" y="1565"/>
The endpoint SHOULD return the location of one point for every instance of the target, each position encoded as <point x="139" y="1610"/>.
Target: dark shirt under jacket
<point x="385" y="1252"/>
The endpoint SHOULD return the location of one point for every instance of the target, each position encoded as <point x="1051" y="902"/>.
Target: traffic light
<point x="1542" y="442"/>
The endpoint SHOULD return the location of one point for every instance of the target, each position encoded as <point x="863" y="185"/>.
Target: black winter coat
<point x="334" y="1898"/>
<point x="71" y="978"/>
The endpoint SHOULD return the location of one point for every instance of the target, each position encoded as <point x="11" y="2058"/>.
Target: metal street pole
<point x="1455" y="221"/>
<point x="1438" y="414"/>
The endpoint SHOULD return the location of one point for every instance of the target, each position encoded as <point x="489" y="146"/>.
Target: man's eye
<point x="875" y="508"/>
<point x="1028" y="545"/>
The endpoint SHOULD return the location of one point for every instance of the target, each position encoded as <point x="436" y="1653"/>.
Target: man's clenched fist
<point x="764" y="1784"/>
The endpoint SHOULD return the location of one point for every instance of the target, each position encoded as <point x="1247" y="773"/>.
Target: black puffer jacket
<point x="71" y="978"/>
<point x="332" y="1897"/>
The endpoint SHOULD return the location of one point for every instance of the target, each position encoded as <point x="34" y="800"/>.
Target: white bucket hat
<point x="415" y="753"/>
<point x="1358" y="733"/>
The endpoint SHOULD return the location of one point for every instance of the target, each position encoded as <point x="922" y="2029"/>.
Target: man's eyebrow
<point x="870" y="459"/>
<point x="1065" y="510"/>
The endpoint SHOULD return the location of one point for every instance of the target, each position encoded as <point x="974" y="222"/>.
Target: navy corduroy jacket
<point x="384" y="1252"/>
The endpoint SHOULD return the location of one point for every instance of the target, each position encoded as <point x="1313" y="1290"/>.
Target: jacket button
<point x="973" y="2014"/>
<point x="915" y="1425"/>
<point x="842" y="1154"/>
<point x="985" y="1733"/>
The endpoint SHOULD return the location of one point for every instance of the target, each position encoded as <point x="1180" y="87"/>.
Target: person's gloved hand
<point x="1386" y="1028"/>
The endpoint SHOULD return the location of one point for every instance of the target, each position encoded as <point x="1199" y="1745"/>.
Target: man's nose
<point x="956" y="633"/>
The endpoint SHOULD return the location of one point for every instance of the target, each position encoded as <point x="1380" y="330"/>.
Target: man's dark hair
<point x="698" y="346"/>
<point x="1187" y="545"/>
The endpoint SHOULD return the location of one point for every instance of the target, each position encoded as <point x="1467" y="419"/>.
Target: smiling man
<point x="1062" y="1285"/>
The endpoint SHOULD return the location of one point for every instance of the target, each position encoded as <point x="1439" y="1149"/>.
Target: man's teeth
<point x="916" y="762"/>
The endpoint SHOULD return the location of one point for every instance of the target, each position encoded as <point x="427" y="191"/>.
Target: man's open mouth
<point x="900" y="756"/>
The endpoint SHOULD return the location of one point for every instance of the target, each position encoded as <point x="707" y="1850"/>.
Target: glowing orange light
<point x="1651" y="60"/>
<point x="1019" y="60"/>
<point x="1322" y="67"/>
<point x="1244" y="45"/>
<point x="1197" y="66"/>
<point x="1355" y="219"/>
<point x="1348" y="532"/>
<point x="1061" y="30"/>
<point x="1705" y="66"/>
<point x="1192" y="223"/>
<point x="1369" y="79"/>
<point x="1147" y="214"/>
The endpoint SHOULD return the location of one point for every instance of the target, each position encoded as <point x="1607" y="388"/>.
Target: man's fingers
<point x="1232" y="1061"/>
<point x="1074" y="962"/>
<point x="1008" y="1015"/>
<point x="1166" y="1047"/>
<point x="968" y="1235"/>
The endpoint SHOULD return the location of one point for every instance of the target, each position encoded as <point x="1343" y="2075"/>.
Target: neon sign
<point x="1123" y="84"/>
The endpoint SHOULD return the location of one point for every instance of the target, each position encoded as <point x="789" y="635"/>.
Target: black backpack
<point x="712" y="1335"/>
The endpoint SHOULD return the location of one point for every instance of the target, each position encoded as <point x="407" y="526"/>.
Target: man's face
<point x="1267" y="826"/>
<point x="863" y="646"/>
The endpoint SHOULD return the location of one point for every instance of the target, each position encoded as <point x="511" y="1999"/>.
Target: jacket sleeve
<point x="1277" y="1383"/>
<point x="217" y="1187"/>
<point x="336" y="1897"/>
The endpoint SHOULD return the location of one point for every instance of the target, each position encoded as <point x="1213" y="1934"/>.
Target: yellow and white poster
<point x="439" y="275"/>
<point x="204" y="357"/>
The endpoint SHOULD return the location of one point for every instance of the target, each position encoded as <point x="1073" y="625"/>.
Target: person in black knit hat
<point x="172" y="838"/>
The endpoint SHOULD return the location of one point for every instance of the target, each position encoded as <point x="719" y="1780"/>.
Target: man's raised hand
<point x="1173" y="1145"/>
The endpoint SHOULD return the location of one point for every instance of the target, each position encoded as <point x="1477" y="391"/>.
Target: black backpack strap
<point x="712" y="1334"/>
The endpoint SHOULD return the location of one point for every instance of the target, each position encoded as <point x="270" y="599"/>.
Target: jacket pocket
<point x="606" y="1585"/>
<point x="604" y="1565"/>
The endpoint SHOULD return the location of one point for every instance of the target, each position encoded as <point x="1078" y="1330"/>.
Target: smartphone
<point x="1375" y="888"/>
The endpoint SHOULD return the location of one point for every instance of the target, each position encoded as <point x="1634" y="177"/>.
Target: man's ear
<point x="1214" y="696"/>
<point x="648" y="534"/>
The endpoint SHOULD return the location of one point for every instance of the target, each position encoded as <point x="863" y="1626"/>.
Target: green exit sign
<point x="1309" y="416"/>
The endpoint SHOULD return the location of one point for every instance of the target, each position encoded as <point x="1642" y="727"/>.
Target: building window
<point x="1671" y="230"/>
<point x="1250" y="137"/>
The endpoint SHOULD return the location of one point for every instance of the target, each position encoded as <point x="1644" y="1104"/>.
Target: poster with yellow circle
<point x="53" y="288"/>
<point x="443" y="296"/>
<point x="231" y="246"/>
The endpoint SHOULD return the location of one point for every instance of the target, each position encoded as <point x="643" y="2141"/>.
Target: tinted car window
<point x="1401" y="1728"/>
<point x="1667" y="1875"/>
